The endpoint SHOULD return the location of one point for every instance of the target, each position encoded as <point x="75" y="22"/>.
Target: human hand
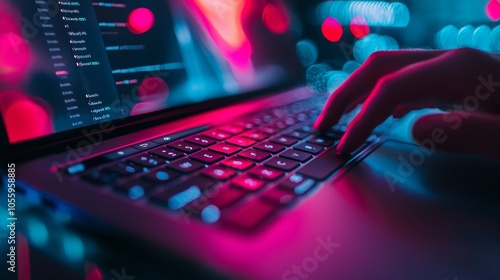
<point x="397" y="82"/>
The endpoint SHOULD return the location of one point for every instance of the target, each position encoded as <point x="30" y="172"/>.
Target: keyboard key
<point x="146" y="145"/>
<point x="250" y="215"/>
<point x="178" y="196"/>
<point x="121" y="153"/>
<point x="219" y="172"/>
<point x="185" y="165"/>
<point x="248" y="183"/>
<point x="231" y="129"/>
<point x="278" y="196"/>
<point x="122" y="170"/>
<point x="322" y="140"/>
<point x="135" y="189"/>
<point x="269" y="130"/>
<point x="179" y="135"/>
<point x="207" y="156"/>
<point x="241" y="141"/>
<point x="146" y="160"/>
<point x="254" y="155"/>
<point x="296" y="155"/>
<point x="244" y="124"/>
<point x="161" y="176"/>
<point x="298" y="134"/>
<point x="221" y="198"/>
<point x="226" y="149"/>
<point x="167" y="153"/>
<point x="284" y="140"/>
<point x="297" y="184"/>
<point x="98" y="177"/>
<point x="200" y="141"/>
<point x="270" y="147"/>
<point x="323" y="166"/>
<point x="310" y="148"/>
<point x="238" y="163"/>
<point x="217" y="134"/>
<point x="282" y="164"/>
<point x="255" y="135"/>
<point x="186" y="147"/>
<point x="265" y="173"/>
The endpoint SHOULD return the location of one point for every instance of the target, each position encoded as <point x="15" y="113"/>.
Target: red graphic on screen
<point x="276" y="18"/>
<point x="332" y="29"/>
<point x="359" y="27"/>
<point x="140" y="20"/>
<point x="223" y="19"/>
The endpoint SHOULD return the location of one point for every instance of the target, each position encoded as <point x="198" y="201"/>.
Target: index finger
<point x="364" y="79"/>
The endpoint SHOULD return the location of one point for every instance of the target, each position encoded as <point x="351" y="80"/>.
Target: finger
<point x="364" y="79"/>
<point x="402" y="110"/>
<point x="451" y="77"/>
<point x="414" y="83"/>
<point x="460" y="132"/>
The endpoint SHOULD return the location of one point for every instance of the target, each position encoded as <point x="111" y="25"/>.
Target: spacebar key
<point x="323" y="166"/>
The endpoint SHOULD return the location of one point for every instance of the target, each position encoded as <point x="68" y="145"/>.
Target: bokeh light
<point x="335" y="80"/>
<point x="316" y="76"/>
<point x="495" y="39"/>
<point x="493" y="10"/>
<point x="307" y="51"/>
<point x="332" y="29"/>
<point x="140" y="20"/>
<point x="153" y="88"/>
<point x="446" y="38"/>
<point x="350" y="66"/>
<point x="359" y="27"/>
<point x="37" y="232"/>
<point x="375" y="13"/>
<point x="481" y="38"/>
<point x="373" y="42"/>
<point x="73" y="247"/>
<point x="276" y="18"/>
<point x="15" y="57"/>
<point x="464" y="36"/>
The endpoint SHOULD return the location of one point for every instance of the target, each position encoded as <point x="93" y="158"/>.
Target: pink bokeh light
<point x="332" y="29"/>
<point x="276" y="18"/>
<point x="140" y="20"/>
<point x="359" y="27"/>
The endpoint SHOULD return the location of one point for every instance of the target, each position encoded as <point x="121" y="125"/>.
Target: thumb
<point x="469" y="132"/>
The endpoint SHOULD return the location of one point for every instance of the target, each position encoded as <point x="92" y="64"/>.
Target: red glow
<point x="493" y="10"/>
<point x="276" y="18"/>
<point x="92" y="272"/>
<point x="10" y="20"/>
<point x="332" y="29"/>
<point x="359" y="27"/>
<point x="24" y="118"/>
<point x="153" y="88"/>
<point x="153" y="92"/>
<point x="14" y="57"/>
<point x="140" y="20"/>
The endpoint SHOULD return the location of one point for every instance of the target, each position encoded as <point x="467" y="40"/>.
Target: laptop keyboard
<point x="238" y="174"/>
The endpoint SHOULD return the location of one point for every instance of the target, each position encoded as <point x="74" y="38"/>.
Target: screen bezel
<point x="58" y="142"/>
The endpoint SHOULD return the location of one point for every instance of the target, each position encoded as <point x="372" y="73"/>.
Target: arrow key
<point x="296" y="155"/>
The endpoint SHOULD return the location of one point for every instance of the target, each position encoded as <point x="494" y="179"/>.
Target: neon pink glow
<point x="140" y="20"/>
<point x="332" y="29"/>
<point x="153" y="88"/>
<point x="153" y="92"/>
<point x="10" y="20"/>
<point x="493" y="10"/>
<point x="92" y="272"/>
<point x="359" y="27"/>
<point x="224" y="22"/>
<point x="14" y="57"/>
<point x="21" y="125"/>
<point x="276" y="18"/>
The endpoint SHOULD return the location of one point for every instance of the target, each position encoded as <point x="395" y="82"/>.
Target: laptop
<point x="185" y="126"/>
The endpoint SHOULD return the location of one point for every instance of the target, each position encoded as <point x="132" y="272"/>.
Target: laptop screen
<point x="65" y="65"/>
